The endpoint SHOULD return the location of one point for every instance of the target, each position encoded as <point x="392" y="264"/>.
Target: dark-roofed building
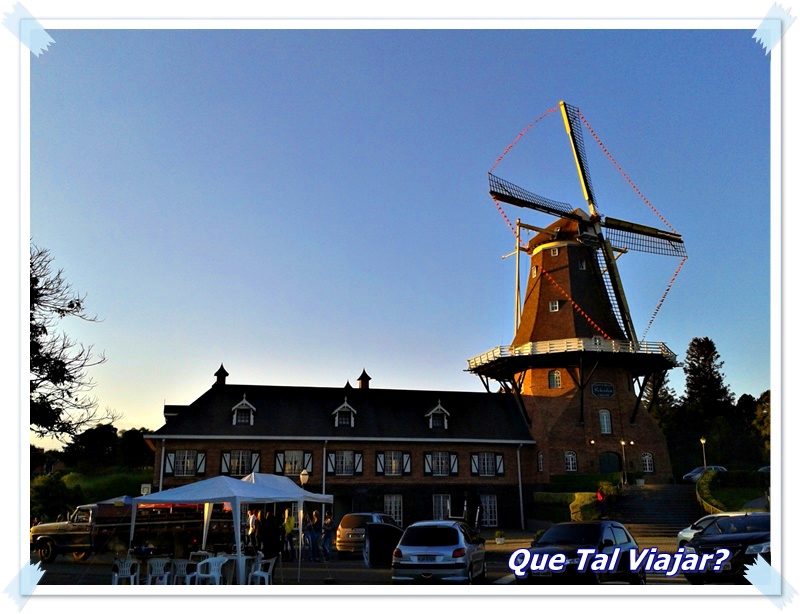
<point x="415" y="454"/>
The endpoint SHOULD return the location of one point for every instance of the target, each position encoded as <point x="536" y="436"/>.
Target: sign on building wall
<point x="603" y="390"/>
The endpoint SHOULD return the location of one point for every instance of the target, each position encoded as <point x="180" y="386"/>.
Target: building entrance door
<point x="610" y="462"/>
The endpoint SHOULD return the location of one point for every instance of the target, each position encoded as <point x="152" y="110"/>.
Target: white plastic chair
<point x="262" y="570"/>
<point x="179" y="570"/>
<point x="125" y="569"/>
<point x="158" y="569"/>
<point x="199" y="555"/>
<point x="208" y="571"/>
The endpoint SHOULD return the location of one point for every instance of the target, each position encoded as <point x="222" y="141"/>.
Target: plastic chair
<point x="125" y="569"/>
<point x="180" y="569"/>
<point x="199" y="555"/>
<point x="209" y="570"/>
<point x="262" y="570"/>
<point x="158" y="569"/>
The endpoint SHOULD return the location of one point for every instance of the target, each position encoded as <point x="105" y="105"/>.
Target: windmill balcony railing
<point x="556" y="346"/>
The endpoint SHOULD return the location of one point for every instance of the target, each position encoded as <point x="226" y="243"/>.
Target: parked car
<point x="352" y="529"/>
<point x="685" y="535"/>
<point x="604" y="536"/>
<point x="745" y="535"/>
<point x="696" y="473"/>
<point x="439" y="551"/>
<point x="380" y="540"/>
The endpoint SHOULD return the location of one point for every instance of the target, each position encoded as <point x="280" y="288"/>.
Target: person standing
<point x="271" y="542"/>
<point x="288" y="529"/>
<point x="251" y="527"/>
<point x="327" y="536"/>
<point x="315" y="530"/>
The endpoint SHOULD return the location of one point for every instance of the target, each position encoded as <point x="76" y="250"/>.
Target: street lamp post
<point x="624" y="443"/>
<point x="703" y="444"/>
<point x="624" y="472"/>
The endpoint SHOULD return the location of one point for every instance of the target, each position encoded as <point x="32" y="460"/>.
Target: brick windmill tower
<point x="575" y="364"/>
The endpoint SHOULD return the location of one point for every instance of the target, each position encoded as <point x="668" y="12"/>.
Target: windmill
<point x="595" y="328"/>
<point x="604" y="234"/>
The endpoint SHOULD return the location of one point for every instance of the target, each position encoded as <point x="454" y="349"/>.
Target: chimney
<point x="221" y="375"/>
<point x="363" y="380"/>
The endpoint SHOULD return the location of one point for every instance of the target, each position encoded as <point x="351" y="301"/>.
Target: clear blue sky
<point x="304" y="204"/>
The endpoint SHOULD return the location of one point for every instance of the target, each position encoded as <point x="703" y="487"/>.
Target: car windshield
<point x="430" y="536"/>
<point x="570" y="534"/>
<point x="353" y="521"/>
<point x="743" y="524"/>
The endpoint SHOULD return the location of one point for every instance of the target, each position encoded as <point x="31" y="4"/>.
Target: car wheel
<point x="639" y="579"/>
<point x="482" y="575"/>
<point x="366" y="553"/>
<point x="47" y="551"/>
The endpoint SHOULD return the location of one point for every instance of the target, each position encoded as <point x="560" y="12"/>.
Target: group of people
<point x="271" y="536"/>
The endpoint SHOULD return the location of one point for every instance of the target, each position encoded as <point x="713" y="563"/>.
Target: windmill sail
<point x="507" y="192"/>
<point x="641" y="238"/>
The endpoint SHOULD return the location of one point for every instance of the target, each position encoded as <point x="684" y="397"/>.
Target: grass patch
<point x="733" y="499"/>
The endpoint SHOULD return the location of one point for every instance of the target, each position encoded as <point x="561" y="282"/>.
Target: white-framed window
<point x="554" y="306"/>
<point x="535" y="271"/>
<point x="440" y="463"/>
<point x="243" y="413"/>
<point x="554" y="379"/>
<point x="441" y="507"/>
<point x="292" y="462"/>
<point x="554" y="251"/>
<point x="393" y="506"/>
<point x="648" y="466"/>
<point x="393" y="463"/>
<point x="604" y="417"/>
<point x="185" y="463"/>
<point x="540" y="462"/>
<point x="240" y="462"/>
<point x="489" y="510"/>
<point x="570" y="461"/>
<point x="487" y="464"/>
<point x="437" y="417"/>
<point x="344" y="416"/>
<point x="344" y="462"/>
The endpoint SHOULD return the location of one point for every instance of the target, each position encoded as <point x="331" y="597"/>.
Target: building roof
<point x="302" y="412"/>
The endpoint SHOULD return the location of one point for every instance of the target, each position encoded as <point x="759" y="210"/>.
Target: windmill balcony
<point x="560" y="346"/>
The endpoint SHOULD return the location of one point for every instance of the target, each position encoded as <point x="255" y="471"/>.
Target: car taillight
<point x="397" y="554"/>
<point x="459" y="552"/>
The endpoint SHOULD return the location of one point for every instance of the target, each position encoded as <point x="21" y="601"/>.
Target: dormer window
<point x="344" y="416"/>
<point x="243" y="413"/>
<point x="438" y="417"/>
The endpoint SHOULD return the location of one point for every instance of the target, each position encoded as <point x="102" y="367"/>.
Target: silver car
<point x="439" y="551"/>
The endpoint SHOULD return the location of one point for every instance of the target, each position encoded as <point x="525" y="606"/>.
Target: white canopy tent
<point x="254" y="488"/>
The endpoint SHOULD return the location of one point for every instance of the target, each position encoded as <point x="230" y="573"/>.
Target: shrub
<point x="51" y="497"/>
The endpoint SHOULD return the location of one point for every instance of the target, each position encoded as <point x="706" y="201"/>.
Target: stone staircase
<point x="654" y="513"/>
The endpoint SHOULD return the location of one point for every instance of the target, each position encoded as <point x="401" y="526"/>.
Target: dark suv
<point x="603" y="536"/>
<point x="352" y="530"/>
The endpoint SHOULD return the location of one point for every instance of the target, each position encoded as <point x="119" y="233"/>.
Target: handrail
<point x="595" y="344"/>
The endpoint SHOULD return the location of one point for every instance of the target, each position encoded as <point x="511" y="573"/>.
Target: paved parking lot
<point x="96" y="570"/>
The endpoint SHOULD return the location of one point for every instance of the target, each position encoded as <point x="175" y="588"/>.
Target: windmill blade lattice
<point x="507" y="192"/>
